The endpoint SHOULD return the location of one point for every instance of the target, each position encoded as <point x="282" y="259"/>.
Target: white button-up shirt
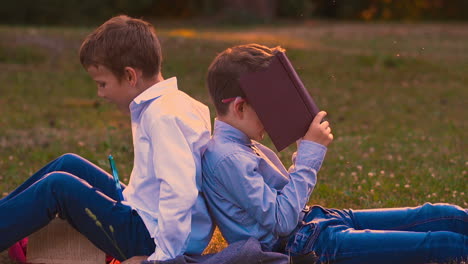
<point x="170" y="130"/>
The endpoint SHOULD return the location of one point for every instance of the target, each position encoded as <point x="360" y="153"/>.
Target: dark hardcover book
<point x="281" y="101"/>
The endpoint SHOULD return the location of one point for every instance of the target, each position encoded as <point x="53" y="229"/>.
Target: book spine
<point x="304" y="94"/>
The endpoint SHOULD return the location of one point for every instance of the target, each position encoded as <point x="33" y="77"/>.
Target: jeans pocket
<point x="302" y="242"/>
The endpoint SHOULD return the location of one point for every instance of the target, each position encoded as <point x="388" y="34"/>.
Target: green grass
<point x="396" y="95"/>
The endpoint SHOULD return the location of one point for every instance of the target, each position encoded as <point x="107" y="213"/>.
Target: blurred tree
<point x="131" y="7"/>
<point x="263" y="8"/>
<point x="95" y="11"/>
<point x="245" y="11"/>
<point x="393" y="9"/>
<point x="297" y="9"/>
<point x="69" y="11"/>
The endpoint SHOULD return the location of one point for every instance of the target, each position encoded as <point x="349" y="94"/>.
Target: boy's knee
<point x="69" y="157"/>
<point x="58" y="180"/>
<point x="444" y="209"/>
<point x="447" y="240"/>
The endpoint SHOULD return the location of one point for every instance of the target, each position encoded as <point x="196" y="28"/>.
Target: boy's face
<point x="252" y="126"/>
<point x="110" y="87"/>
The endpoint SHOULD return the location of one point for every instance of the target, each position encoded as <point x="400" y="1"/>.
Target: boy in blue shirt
<point x="163" y="214"/>
<point x="250" y="193"/>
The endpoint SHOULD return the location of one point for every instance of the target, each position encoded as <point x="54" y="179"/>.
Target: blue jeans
<point x="67" y="186"/>
<point x="428" y="233"/>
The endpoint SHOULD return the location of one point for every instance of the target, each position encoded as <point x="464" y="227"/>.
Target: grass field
<point x="396" y="94"/>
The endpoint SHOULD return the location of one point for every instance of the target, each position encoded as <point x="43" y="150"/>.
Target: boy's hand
<point x="319" y="132"/>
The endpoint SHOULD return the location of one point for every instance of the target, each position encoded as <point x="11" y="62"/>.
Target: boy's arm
<point x="175" y="169"/>
<point x="278" y="211"/>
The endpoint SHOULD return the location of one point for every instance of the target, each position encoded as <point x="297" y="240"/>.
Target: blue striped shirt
<point x="248" y="190"/>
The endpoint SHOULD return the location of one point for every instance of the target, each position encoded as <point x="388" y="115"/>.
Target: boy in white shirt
<point x="163" y="214"/>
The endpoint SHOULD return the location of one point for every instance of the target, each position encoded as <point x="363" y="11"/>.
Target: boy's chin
<point x="259" y="137"/>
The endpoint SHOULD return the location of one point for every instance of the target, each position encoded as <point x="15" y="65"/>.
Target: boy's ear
<point x="238" y="107"/>
<point x="131" y="75"/>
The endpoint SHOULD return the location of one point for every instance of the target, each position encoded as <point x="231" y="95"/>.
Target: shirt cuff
<point x="310" y="154"/>
<point x="158" y="255"/>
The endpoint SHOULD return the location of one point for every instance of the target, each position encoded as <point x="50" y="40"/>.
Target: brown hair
<point x="229" y="65"/>
<point x="122" y="42"/>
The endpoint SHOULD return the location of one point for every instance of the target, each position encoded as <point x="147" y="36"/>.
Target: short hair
<point x="122" y="42"/>
<point x="226" y="69"/>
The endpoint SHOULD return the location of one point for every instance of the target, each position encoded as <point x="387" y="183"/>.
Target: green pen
<point x="115" y="174"/>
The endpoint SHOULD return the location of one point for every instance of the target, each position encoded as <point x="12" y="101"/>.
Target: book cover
<point x="281" y="101"/>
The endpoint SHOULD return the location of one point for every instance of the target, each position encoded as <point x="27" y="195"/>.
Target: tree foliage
<point x="92" y="11"/>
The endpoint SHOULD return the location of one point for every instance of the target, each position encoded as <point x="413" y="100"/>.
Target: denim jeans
<point x="67" y="186"/>
<point x="428" y="233"/>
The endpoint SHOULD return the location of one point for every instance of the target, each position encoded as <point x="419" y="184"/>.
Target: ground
<point x="395" y="94"/>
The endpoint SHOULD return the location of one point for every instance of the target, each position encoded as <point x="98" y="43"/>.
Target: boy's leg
<point x="339" y="244"/>
<point x="113" y="227"/>
<point x="428" y="217"/>
<point x="370" y="236"/>
<point x="77" y="166"/>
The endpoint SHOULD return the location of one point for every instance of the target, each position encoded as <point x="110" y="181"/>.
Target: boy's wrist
<point x="310" y="154"/>
<point x="310" y="144"/>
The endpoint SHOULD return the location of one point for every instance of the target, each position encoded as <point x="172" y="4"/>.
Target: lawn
<point x="396" y="95"/>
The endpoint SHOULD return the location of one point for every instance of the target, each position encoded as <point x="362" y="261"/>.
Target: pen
<point x="116" y="177"/>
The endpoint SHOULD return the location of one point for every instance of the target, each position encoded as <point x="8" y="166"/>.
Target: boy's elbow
<point x="189" y="195"/>
<point x="185" y="195"/>
<point x="284" y="232"/>
<point x="285" y="228"/>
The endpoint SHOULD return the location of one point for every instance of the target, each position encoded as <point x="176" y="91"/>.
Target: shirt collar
<point x="156" y="90"/>
<point x="224" y="130"/>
